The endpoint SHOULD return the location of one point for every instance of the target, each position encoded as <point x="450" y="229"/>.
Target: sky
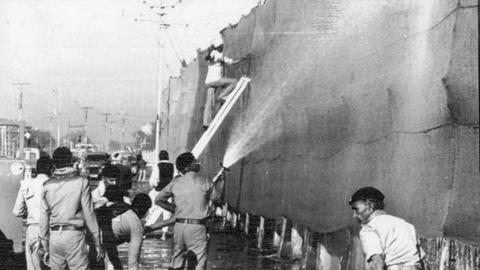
<point x="102" y="54"/>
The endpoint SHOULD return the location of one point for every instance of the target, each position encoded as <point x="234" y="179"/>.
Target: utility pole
<point x="20" y="86"/>
<point x="106" y="131"/>
<point x="162" y="26"/>
<point x="58" y="93"/>
<point x="159" y="100"/>
<point x="122" y="115"/>
<point x="86" y="108"/>
<point x="50" y="135"/>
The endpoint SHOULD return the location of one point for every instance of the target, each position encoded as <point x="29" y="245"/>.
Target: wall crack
<point x="366" y="142"/>
<point x="426" y="30"/>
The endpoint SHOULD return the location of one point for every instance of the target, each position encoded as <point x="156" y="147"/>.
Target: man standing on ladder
<point x="215" y="80"/>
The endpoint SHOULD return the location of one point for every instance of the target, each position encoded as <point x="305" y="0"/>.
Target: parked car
<point x="126" y="158"/>
<point x="94" y="163"/>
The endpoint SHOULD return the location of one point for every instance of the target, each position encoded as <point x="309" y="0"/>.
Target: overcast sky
<point x="99" y="53"/>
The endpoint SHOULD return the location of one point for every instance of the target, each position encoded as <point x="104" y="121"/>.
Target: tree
<point x="114" y="145"/>
<point x="76" y="137"/>
<point x="145" y="138"/>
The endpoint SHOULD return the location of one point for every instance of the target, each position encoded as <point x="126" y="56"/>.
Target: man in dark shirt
<point x="126" y="176"/>
<point x="121" y="223"/>
<point x="162" y="174"/>
<point x="191" y="194"/>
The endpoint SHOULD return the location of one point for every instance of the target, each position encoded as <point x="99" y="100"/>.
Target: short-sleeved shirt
<point x="191" y="193"/>
<point x="126" y="227"/>
<point x="29" y="198"/>
<point x="391" y="236"/>
<point x="215" y="69"/>
<point x="66" y="200"/>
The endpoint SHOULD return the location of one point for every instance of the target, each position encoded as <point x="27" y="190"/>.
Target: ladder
<point x="220" y="116"/>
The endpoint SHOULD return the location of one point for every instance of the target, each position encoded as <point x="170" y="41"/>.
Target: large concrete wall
<point x="346" y="94"/>
<point x="181" y="109"/>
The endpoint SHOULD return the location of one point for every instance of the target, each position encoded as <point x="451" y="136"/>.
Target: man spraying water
<point x="191" y="194"/>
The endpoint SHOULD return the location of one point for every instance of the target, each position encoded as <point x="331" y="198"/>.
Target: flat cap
<point x="367" y="193"/>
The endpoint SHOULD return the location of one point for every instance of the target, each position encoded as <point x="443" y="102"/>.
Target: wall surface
<point x="346" y="94"/>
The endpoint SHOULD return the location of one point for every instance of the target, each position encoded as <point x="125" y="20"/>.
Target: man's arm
<point x="166" y="205"/>
<point x="377" y="262"/>
<point x="217" y="189"/>
<point x="112" y="253"/>
<point x="20" y="207"/>
<point x="230" y="61"/>
<point x="135" y="245"/>
<point x="372" y="247"/>
<point x="90" y="218"/>
<point x="44" y="221"/>
<point x="159" y="224"/>
<point x="164" y="194"/>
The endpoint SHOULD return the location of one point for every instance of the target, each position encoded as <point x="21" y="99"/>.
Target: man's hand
<point x="377" y="262"/>
<point x="147" y="230"/>
<point x="100" y="252"/>
<point x="43" y="248"/>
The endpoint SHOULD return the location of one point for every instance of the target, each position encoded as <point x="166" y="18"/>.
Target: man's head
<point x="44" y="166"/>
<point x="186" y="162"/>
<point x="110" y="174"/>
<point x="163" y="155"/>
<point x="62" y="157"/>
<point x="141" y="202"/>
<point x="364" y="202"/>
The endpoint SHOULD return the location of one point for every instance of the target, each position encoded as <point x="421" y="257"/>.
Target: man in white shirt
<point x="218" y="86"/>
<point x="388" y="242"/>
<point x="162" y="175"/>
<point x="28" y="205"/>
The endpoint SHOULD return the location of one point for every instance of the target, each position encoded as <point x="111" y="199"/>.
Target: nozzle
<point x="224" y="168"/>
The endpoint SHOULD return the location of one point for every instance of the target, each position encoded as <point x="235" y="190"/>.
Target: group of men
<point x="70" y="227"/>
<point x="62" y="220"/>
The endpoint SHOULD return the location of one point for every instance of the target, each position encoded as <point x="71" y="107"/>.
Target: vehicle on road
<point x="126" y="158"/>
<point x="94" y="163"/>
<point x="12" y="171"/>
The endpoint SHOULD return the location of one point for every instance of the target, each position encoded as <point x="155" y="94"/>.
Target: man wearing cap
<point x="388" y="242"/>
<point x="66" y="211"/>
<point x="191" y="194"/>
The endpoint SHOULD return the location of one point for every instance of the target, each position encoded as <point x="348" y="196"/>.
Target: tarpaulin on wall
<point x="352" y="93"/>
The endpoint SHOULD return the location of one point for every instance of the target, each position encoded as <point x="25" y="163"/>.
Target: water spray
<point x="220" y="172"/>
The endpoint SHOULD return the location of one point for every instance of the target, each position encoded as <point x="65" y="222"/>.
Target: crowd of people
<point x="72" y="227"/>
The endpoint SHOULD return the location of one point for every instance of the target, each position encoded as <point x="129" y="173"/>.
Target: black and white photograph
<point x="239" y="135"/>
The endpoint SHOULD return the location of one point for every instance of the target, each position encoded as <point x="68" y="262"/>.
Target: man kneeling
<point x="120" y="223"/>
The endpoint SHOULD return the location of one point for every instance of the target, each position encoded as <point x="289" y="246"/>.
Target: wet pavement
<point x="228" y="249"/>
